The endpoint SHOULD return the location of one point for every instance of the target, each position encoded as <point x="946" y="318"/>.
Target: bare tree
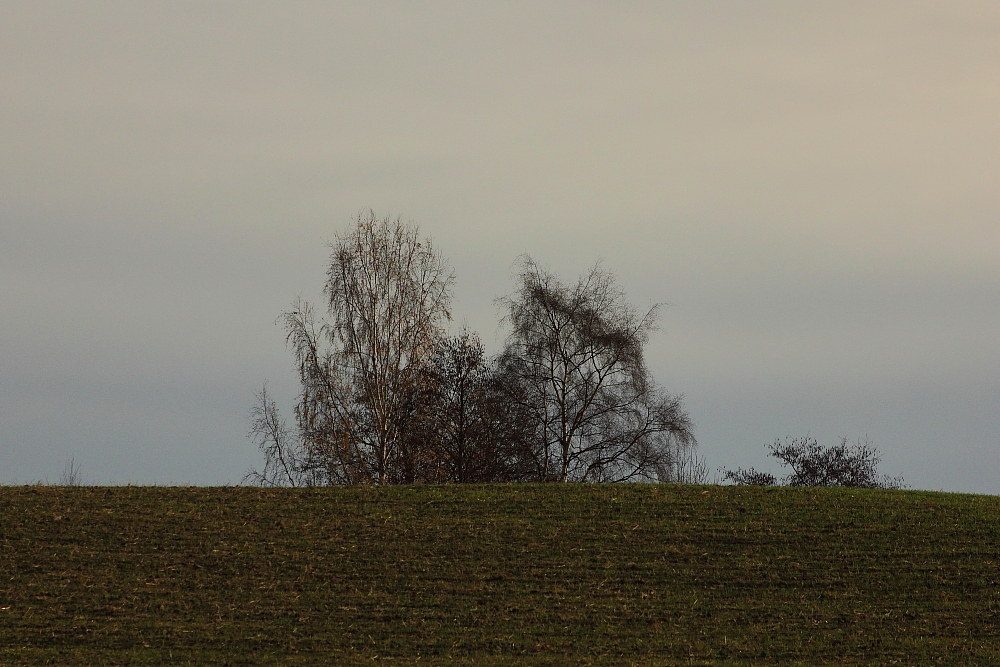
<point x="387" y="399"/>
<point x="461" y="371"/>
<point x="387" y="295"/>
<point x="846" y="464"/>
<point x="749" y="477"/>
<point x="475" y="428"/>
<point x="577" y="352"/>
<point x="283" y="458"/>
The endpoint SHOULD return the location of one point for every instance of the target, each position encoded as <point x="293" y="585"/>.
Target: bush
<point x="846" y="464"/>
<point x="749" y="477"/>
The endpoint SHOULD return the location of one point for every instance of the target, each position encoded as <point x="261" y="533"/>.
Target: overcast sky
<point x="812" y="187"/>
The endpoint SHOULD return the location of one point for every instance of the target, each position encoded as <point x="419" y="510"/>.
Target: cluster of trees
<point x="388" y="398"/>
<point x="845" y="464"/>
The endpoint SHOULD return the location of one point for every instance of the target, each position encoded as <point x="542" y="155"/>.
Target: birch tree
<point x="388" y="294"/>
<point x="577" y="352"/>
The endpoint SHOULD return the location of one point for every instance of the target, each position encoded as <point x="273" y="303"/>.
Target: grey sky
<point x="813" y="187"/>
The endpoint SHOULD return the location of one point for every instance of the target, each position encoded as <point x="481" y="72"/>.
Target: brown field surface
<point x="497" y="575"/>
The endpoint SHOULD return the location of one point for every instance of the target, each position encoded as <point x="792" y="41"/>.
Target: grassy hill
<point x="498" y="575"/>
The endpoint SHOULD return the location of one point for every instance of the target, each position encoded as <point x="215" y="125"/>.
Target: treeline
<point x="388" y="398"/>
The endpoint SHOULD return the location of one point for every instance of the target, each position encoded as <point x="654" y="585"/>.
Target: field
<point x="497" y="575"/>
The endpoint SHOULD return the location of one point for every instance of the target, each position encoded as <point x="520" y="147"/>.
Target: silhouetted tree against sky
<point x="845" y="464"/>
<point x="387" y="398"/>
<point x="284" y="455"/>
<point x="577" y="352"/>
<point x="472" y="417"/>
<point x="387" y="296"/>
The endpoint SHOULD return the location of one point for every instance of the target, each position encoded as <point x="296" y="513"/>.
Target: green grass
<point x="498" y="575"/>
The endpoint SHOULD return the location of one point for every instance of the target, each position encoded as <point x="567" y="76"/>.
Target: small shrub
<point x="846" y="464"/>
<point x="70" y="476"/>
<point x="749" y="477"/>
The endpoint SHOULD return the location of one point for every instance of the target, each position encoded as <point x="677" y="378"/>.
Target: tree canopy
<point x="387" y="397"/>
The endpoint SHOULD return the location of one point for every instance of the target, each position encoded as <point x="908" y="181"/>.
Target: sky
<point x="811" y="188"/>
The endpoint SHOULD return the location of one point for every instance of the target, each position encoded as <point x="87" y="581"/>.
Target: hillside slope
<point x="522" y="574"/>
